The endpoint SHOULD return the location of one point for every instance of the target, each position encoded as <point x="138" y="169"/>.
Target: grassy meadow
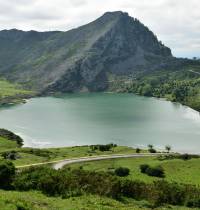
<point x="176" y="170"/>
<point x="11" y="93"/>
<point x="34" y="200"/>
<point x="31" y="155"/>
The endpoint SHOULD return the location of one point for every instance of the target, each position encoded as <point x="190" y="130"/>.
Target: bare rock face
<point x="81" y="58"/>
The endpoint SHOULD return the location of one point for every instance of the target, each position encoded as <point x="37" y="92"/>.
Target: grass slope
<point x="12" y="200"/>
<point x="31" y="155"/>
<point x="180" y="171"/>
<point x="6" y="145"/>
<point x="12" y="93"/>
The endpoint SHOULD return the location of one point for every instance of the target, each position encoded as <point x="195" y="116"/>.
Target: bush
<point x="193" y="203"/>
<point x="10" y="155"/>
<point x="7" y="173"/>
<point x="138" y="150"/>
<point x="143" y="168"/>
<point x="29" y="178"/>
<point x="102" y="147"/>
<point x="134" y="189"/>
<point x="152" y="150"/>
<point x="122" y="171"/>
<point x="185" y="157"/>
<point x="156" y="171"/>
<point x="39" y="152"/>
<point x="177" y="156"/>
<point x="69" y="183"/>
<point x="171" y="193"/>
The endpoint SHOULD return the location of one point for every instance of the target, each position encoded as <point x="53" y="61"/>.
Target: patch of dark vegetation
<point x="156" y="171"/>
<point x="193" y="203"/>
<point x="178" y="156"/>
<point x="151" y="149"/>
<point x="38" y="152"/>
<point x="7" y="174"/>
<point x="10" y="155"/>
<point x="122" y="171"/>
<point x="70" y="183"/>
<point x="11" y="136"/>
<point x="102" y="147"/>
<point x="138" y="150"/>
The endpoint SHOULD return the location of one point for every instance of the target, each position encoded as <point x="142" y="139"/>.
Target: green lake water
<point x="100" y="118"/>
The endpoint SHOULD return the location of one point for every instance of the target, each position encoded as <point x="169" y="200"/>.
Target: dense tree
<point x="179" y="86"/>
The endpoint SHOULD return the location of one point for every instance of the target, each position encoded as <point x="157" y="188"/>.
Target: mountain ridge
<point x="82" y="58"/>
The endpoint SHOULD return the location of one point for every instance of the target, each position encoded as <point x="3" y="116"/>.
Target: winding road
<point x="60" y="163"/>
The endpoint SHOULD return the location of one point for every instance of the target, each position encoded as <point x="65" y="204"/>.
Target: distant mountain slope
<point x="82" y="58"/>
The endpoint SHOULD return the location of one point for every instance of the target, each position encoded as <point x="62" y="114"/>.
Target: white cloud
<point x="175" y="22"/>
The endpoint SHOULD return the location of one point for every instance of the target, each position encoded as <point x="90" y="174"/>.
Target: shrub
<point x="152" y="150"/>
<point x="122" y="171"/>
<point x="171" y="193"/>
<point x="7" y="173"/>
<point x="69" y="183"/>
<point x="138" y="150"/>
<point x="134" y="189"/>
<point x="156" y="171"/>
<point x="178" y="156"/>
<point x="39" y="152"/>
<point x="102" y="147"/>
<point x="185" y="156"/>
<point x="10" y="155"/>
<point x="143" y="168"/>
<point x="30" y="178"/>
<point x="193" y="203"/>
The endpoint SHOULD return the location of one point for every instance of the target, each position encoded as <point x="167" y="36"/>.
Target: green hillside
<point x="176" y="170"/>
<point x="178" y="85"/>
<point x="11" y="200"/>
<point x="11" y="93"/>
<point x="94" y="185"/>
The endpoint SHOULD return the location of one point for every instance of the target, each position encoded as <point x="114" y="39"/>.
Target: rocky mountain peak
<point x="114" y="44"/>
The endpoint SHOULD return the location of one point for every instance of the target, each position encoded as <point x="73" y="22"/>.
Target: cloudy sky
<point x="175" y="22"/>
